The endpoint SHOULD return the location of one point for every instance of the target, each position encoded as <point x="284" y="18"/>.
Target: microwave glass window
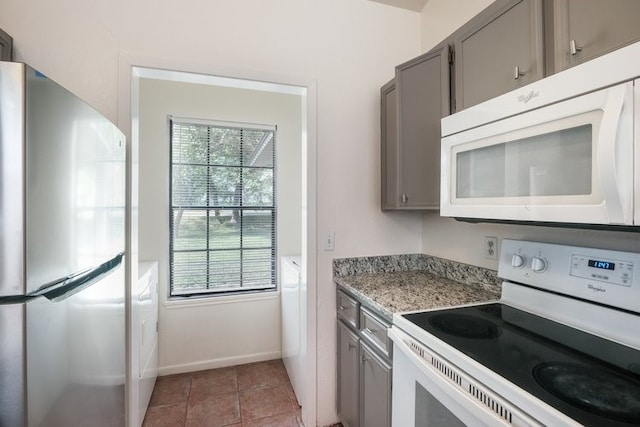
<point x="551" y="164"/>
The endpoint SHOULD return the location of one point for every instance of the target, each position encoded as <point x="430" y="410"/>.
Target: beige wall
<point x="347" y="48"/>
<point x="440" y="18"/>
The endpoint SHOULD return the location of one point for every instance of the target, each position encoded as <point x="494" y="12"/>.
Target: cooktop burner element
<point x="465" y="326"/>
<point x="597" y="390"/>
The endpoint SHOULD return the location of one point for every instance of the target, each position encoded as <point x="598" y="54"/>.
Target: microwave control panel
<point x="604" y="270"/>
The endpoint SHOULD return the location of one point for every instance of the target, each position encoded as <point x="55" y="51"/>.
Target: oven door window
<point x="430" y="412"/>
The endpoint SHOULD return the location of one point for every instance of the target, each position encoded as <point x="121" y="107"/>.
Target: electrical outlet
<point x="491" y="247"/>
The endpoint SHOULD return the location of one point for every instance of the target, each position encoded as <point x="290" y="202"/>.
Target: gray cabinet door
<point x="584" y="29"/>
<point x="348" y="373"/>
<point x="375" y="376"/>
<point x="390" y="194"/>
<point x="499" y="51"/>
<point x="6" y="46"/>
<point x="422" y="86"/>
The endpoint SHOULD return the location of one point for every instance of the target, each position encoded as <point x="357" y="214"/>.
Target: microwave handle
<point x="615" y="154"/>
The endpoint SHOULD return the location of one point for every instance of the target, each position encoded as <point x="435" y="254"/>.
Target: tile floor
<point x="252" y="395"/>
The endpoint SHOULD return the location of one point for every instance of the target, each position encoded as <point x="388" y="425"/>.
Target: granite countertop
<point x="394" y="284"/>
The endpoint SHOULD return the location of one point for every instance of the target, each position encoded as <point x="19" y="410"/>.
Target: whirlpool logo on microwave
<point x="528" y="97"/>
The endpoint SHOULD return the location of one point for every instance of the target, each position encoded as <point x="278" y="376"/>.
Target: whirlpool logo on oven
<point x="596" y="288"/>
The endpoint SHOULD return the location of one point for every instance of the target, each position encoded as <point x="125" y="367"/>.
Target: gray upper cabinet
<point x="422" y="86"/>
<point x="389" y="146"/>
<point x="6" y="46"/>
<point x="508" y="45"/>
<point x="585" y="29"/>
<point x="498" y="51"/>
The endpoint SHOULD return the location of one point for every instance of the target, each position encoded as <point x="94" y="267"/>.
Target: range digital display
<point x="605" y="265"/>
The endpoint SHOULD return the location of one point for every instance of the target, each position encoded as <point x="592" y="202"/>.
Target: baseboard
<point x="217" y="363"/>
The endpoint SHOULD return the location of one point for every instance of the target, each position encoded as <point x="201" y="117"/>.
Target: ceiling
<point x="414" y="5"/>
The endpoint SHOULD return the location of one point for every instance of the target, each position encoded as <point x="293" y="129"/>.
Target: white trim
<point x="221" y="123"/>
<point x="217" y="80"/>
<point x="177" y="303"/>
<point x="310" y="259"/>
<point x="218" y="363"/>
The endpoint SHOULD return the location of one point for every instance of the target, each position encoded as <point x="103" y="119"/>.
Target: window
<point x="223" y="209"/>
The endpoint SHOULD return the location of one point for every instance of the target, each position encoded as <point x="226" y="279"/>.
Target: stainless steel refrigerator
<point x="62" y="221"/>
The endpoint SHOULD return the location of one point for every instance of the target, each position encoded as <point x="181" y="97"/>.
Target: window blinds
<point x="223" y="208"/>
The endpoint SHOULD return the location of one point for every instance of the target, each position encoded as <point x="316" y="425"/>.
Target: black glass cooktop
<point x="588" y="378"/>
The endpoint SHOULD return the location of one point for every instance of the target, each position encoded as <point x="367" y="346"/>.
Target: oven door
<point x="568" y="162"/>
<point x="428" y="391"/>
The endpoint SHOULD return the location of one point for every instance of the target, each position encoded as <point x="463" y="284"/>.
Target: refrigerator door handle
<point x="61" y="289"/>
<point x="65" y="287"/>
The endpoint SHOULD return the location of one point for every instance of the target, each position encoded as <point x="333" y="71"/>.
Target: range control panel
<point x="602" y="269"/>
<point x="601" y="275"/>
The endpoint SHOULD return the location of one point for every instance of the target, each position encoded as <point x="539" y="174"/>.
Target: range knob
<point x="538" y="265"/>
<point x="517" y="260"/>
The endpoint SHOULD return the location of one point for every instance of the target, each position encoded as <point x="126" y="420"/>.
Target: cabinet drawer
<point x="374" y="330"/>
<point x="348" y="309"/>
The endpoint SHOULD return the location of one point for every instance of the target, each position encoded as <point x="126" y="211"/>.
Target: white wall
<point x="439" y="19"/>
<point x="348" y="47"/>
<point x="190" y="335"/>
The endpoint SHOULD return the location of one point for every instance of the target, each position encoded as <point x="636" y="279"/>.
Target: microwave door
<point x="569" y="162"/>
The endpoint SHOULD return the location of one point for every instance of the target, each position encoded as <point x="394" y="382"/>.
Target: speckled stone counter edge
<point x="462" y="273"/>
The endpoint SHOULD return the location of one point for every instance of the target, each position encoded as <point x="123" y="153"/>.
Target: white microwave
<point x="559" y="150"/>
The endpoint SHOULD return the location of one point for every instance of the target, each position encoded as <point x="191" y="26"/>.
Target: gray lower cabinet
<point x="375" y="385"/>
<point x="348" y="376"/>
<point x="585" y="29"/>
<point x="364" y="366"/>
<point x="500" y="50"/>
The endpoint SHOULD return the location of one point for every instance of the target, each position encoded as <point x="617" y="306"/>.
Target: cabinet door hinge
<point x="452" y="56"/>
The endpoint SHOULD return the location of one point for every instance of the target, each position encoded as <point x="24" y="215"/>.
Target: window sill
<point x="176" y="303"/>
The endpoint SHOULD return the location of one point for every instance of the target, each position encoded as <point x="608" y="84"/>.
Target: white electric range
<point x="560" y="348"/>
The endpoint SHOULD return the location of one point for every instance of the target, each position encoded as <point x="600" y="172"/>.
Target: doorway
<point x="305" y="95"/>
